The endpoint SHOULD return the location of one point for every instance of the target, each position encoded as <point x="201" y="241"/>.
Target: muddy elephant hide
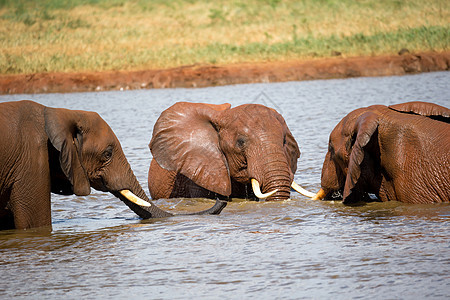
<point x="400" y="152"/>
<point x="44" y="150"/>
<point x="205" y="150"/>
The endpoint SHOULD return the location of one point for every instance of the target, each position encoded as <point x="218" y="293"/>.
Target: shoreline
<point x="211" y="75"/>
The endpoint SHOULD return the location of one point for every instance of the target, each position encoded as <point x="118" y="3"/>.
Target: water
<point x="291" y="250"/>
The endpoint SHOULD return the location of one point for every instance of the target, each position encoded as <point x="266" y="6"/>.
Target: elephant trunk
<point x="278" y="179"/>
<point x="136" y="199"/>
<point x="273" y="175"/>
<point x="143" y="210"/>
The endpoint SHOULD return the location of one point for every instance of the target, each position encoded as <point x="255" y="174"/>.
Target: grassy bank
<point x="81" y="35"/>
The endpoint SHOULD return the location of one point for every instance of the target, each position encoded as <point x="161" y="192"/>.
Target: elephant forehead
<point x="248" y="123"/>
<point x="99" y="133"/>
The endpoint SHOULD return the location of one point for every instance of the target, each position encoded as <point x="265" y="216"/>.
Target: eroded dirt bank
<point x="209" y="75"/>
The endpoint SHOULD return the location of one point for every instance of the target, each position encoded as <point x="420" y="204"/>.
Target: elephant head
<point x="381" y="150"/>
<point x="226" y="150"/>
<point x="86" y="153"/>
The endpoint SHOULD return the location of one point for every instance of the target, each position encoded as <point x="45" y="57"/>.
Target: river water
<point x="297" y="249"/>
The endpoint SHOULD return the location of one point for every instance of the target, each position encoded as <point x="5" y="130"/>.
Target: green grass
<point x="80" y="35"/>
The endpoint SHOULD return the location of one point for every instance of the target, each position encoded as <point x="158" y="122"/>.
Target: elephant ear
<point x="290" y="146"/>
<point x="365" y="127"/>
<point x="426" y="109"/>
<point x="292" y="150"/>
<point x="64" y="132"/>
<point x="185" y="140"/>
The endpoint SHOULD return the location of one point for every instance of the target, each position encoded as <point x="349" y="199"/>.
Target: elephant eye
<point x="240" y="142"/>
<point x="107" y="154"/>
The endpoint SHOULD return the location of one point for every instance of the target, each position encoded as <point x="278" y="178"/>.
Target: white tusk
<point x="257" y="190"/>
<point x="301" y="190"/>
<point x="133" y="198"/>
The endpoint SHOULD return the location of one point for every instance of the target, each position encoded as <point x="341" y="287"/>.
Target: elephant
<point x="399" y="152"/>
<point x="46" y="150"/>
<point x="212" y="150"/>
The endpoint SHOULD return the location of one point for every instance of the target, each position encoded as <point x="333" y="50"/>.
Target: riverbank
<point x="214" y="75"/>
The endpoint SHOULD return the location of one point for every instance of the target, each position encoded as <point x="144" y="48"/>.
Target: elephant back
<point x="426" y="109"/>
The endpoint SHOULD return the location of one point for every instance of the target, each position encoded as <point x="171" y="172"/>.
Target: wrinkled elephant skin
<point x="206" y="150"/>
<point x="398" y="153"/>
<point x="46" y="150"/>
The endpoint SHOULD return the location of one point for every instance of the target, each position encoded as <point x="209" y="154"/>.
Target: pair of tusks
<point x="257" y="190"/>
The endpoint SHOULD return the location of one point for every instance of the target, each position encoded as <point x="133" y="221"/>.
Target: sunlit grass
<point x="74" y="35"/>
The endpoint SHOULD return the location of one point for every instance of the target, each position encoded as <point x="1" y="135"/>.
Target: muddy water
<point x="291" y="250"/>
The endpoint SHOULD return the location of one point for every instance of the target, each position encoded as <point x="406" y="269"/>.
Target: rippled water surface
<point x="291" y="250"/>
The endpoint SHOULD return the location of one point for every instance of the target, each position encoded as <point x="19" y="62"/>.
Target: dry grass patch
<point x="52" y="35"/>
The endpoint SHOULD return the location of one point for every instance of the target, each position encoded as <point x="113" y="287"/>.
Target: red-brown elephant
<point x="209" y="151"/>
<point x="44" y="150"/>
<point x="399" y="152"/>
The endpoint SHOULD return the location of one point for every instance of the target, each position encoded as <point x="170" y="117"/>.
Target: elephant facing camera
<point x="206" y="150"/>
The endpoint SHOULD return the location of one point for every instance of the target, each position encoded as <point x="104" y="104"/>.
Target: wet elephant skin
<point x="399" y="153"/>
<point x="205" y="150"/>
<point x="46" y="150"/>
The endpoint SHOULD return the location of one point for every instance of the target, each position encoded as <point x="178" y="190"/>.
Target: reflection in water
<point x="291" y="249"/>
